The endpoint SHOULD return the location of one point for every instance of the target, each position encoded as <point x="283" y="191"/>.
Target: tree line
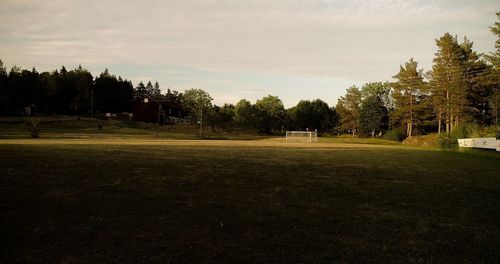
<point x="77" y="92"/>
<point x="267" y="115"/>
<point x="73" y="92"/>
<point x="461" y="87"/>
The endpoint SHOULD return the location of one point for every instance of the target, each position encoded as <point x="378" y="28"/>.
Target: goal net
<point x="301" y="136"/>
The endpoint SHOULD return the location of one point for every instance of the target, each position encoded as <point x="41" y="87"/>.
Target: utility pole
<point x="497" y="130"/>
<point x="159" y="116"/>
<point x="91" y="102"/>
<point x="201" y="122"/>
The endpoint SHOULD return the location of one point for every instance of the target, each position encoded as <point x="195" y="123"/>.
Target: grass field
<point x="126" y="200"/>
<point x="63" y="127"/>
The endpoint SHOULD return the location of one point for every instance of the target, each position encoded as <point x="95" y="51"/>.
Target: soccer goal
<point x="301" y="136"/>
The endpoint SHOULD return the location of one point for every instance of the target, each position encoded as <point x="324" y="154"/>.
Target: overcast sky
<point x="295" y="49"/>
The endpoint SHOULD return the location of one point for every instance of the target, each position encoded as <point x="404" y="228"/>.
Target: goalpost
<point x="301" y="136"/>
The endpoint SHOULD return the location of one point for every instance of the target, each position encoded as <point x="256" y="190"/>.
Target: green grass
<point x="130" y="200"/>
<point x="358" y="140"/>
<point x="61" y="127"/>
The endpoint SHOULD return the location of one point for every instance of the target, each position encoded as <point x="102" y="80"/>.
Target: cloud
<point x="362" y="40"/>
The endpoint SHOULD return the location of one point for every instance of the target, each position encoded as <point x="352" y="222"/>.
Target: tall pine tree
<point x="406" y="92"/>
<point x="494" y="76"/>
<point x="448" y="84"/>
<point x="478" y="89"/>
<point x="348" y="108"/>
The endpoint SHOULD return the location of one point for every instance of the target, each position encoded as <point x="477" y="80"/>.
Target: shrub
<point x="424" y="141"/>
<point x="124" y="117"/>
<point x="33" y="126"/>
<point x="395" y="135"/>
<point x="448" y="143"/>
<point x="99" y="115"/>
<point x="466" y="131"/>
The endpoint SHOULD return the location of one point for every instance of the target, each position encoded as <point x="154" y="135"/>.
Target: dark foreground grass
<point x="241" y="204"/>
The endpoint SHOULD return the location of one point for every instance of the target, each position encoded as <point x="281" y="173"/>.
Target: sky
<point x="234" y="49"/>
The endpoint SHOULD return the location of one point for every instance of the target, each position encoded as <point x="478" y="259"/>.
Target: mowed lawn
<point x="159" y="201"/>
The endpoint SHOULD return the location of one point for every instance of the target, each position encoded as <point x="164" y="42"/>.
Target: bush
<point x="101" y="116"/>
<point x="424" y="141"/>
<point x="33" y="126"/>
<point x="467" y="130"/>
<point x="448" y="143"/>
<point x="395" y="135"/>
<point x="124" y="117"/>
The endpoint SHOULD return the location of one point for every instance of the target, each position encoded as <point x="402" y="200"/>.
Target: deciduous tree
<point x="244" y="113"/>
<point x="197" y="102"/>
<point x="373" y="116"/>
<point x="270" y="113"/>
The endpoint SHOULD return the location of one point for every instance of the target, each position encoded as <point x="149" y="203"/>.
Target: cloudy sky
<point x="295" y="49"/>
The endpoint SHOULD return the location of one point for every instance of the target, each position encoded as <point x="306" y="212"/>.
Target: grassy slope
<point x="245" y="201"/>
<point x="69" y="127"/>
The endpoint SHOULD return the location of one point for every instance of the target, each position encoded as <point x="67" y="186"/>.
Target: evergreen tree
<point x="64" y="71"/>
<point x="83" y="81"/>
<point x="4" y="79"/>
<point x="348" y="108"/>
<point x="140" y="92"/>
<point x="173" y="96"/>
<point x="3" y="70"/>
<point x="478" y="89"/>
<point x="112" y="95"/>
<point x="494" y="57"/>
<point x="406" y="92"/>
<point x="19" y="90"/>
<point x="448" y="84"/>
<point x="493" y="79"/>
<point x="150" y="90"/>
<point x="105" y="73"/>
<point x="156" y="92"/>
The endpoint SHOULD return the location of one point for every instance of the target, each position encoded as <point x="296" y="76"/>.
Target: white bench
<point x="485" y="143"/>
